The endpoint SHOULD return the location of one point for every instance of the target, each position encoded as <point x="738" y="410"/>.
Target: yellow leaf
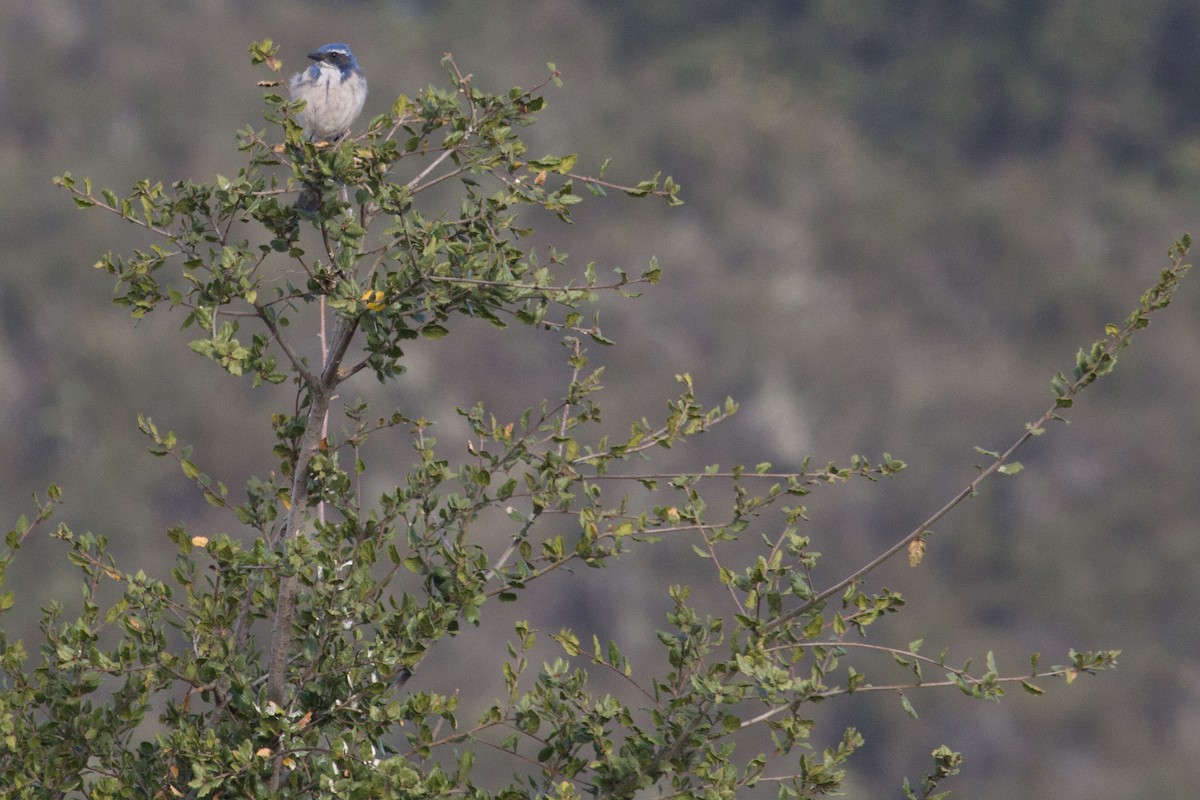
<point x="1071" y="675"/>
<point x="374" y="300"/>
<point x="916" y="551"/>
<point x="540" y="179"/>
<point x="199" y="541"/>
<point x="263" y="752"/>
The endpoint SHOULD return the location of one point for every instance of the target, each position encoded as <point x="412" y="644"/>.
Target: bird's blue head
<point x="336" y="55"/>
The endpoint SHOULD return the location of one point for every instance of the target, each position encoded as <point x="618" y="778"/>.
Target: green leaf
<point x="434" y="331"/>
<point x="568" y="640"/>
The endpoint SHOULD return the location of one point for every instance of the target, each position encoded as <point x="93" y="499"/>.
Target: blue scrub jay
<point x="333" y="89"/>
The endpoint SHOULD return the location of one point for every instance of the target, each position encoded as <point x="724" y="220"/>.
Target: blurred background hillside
<point x="902" y="218"/>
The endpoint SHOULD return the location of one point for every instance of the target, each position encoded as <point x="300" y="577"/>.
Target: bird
<point x="334" y="90"/>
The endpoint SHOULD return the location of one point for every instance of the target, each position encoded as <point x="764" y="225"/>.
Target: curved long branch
<point x="1089" y="367"/>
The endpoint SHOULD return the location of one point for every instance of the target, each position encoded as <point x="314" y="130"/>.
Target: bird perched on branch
<point x="334" y="89"/>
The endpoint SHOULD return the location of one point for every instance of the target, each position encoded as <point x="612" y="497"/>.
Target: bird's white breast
<point x="333" y="101"/>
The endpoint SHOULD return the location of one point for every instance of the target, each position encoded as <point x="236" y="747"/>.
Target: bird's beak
<point x="315" y="56"/>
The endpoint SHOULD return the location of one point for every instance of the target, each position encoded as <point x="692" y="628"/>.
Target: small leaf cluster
<point x="1101" y="357"/>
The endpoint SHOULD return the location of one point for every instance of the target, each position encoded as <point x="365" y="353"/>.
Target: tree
<point x="275" y="663"/>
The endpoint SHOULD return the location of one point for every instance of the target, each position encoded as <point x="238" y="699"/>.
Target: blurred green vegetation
<point x="902" y="217"/>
